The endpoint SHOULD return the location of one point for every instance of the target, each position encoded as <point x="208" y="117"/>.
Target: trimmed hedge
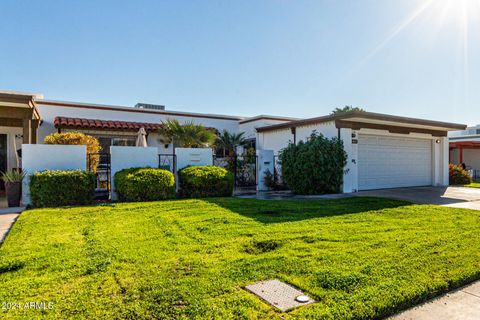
<point x="458" y="176"/>
<point x="205" y="181"/>
<point x="144" y="184"/>
<point x="315" y="166"/>
<point x="55" y="188"/>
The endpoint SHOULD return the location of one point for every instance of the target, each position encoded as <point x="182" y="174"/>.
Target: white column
<point x="350" y="178"/>
<point x="265" y="163"/>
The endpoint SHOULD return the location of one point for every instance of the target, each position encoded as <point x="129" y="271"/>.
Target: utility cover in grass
<point x="279" y="294"/>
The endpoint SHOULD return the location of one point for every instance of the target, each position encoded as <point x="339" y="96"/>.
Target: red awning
<point x="465" y="145"/>
<point x="96" y="124"/>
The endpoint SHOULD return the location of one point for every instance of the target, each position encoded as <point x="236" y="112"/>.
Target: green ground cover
<point x="359" y="257"/>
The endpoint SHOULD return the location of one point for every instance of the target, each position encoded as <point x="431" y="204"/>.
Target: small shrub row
<point x="457" y="175"/>
<point x="205" y="181"/>
<point x="55" y="188"/>
<point x="75" y="187"/>
<point x="144" y="184"/>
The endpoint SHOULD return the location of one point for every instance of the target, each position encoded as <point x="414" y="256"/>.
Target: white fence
<point x="193" y="157"/>
<point x="41" y="157"/>
<point x="130" y="157"/>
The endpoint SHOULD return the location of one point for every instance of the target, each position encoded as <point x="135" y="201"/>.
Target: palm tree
<point x="345" y="110"/>
<point x="188" y="134"/>
<point x="230" y="141"/>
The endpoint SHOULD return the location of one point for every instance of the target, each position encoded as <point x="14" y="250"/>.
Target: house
<point x="384" y="151"/>
<point x="465" y="148"/>
<point x="28" y="118"/>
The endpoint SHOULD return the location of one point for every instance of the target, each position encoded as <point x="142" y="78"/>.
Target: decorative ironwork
<point x="277" y="174"/>
<point x="102" y="173"/>
<point x="167" y="161"/>
<point x="244" y="169"/>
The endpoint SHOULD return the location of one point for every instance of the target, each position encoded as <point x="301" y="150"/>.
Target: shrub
<point x="457" y="175"/>
<point x="272" y="181"/>
<point x="205" y="181"/>
<point x="78" y="138"/>
<point x="62" y="188"/>
<point x="144" y="184"/>
<point x="315" y="166"/>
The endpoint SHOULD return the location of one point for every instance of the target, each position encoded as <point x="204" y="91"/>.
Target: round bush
<point x="458" y="176"/>
<point x="144" y="184"/>
<point x="205" y="181"/>
<point x="54" y="188"/>
<point x="315" y="166"/>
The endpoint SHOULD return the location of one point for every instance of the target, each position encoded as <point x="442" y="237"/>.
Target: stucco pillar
<point x="265" y="163"/>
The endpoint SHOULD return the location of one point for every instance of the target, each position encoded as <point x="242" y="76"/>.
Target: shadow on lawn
<point x="275" y="211"/>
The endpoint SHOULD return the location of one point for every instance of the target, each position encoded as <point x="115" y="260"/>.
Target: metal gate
<point x="100" y="164"/>
<point x="167" y="161"/>
<point x="244" y="169"/>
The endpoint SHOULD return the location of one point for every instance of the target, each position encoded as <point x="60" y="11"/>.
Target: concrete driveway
<point x="459" y="197"/>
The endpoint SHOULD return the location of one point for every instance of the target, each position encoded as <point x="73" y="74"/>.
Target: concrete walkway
<point x="462" y="304"/>
<point x="459" y="197"/>
<point x="7" y="219"/>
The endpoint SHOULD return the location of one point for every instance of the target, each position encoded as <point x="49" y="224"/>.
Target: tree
<point x="78" y="138"/>
<point x="346" y="109"/>
<point x="188" y="134"/>
<point x="230" y="141"/>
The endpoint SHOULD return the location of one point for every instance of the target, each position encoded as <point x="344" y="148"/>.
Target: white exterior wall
<point x="250" y="127"/>
<point x="49" y="112"/>
<point x="130" y="157"/>
<point x="277" y="140"/>
<point x="440" y="153"/>
<point x="40" y="157"/>
<point x="274" y="140"/>
<point x="328" y="129"/>
<point x="11" y="142"/>
<point x="193" y="157"/>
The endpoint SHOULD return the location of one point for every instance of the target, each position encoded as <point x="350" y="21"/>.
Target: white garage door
<point x="392" y="162"/>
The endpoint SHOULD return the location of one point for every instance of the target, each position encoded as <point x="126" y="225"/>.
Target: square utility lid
<point x="280" y="294"/>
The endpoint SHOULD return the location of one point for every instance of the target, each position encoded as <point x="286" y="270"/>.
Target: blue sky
<point x="296" y="58"/>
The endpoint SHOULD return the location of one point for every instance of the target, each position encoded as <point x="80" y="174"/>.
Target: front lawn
<point x="474" y="184"/>
<point x="359" y="257"/>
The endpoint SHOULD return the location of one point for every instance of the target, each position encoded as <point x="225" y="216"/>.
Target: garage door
<point x="393" y="162"/>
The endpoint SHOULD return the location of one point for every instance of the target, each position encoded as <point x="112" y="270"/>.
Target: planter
<point x="13" y="192"/>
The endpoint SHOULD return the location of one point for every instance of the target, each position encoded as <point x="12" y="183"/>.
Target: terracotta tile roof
<point x="96" y="124"/>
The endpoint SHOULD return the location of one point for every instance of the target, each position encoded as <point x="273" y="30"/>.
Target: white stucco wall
<point x="328" y="129"/>
<point x="274" y="140"/>
<point x="40" y="157"/>
<point x="250" y="127"/>
<point x="49" y="112"/>
<point x="193" y="157"/>
<point x="131" y="157"/>
<point x="277" y="140"/>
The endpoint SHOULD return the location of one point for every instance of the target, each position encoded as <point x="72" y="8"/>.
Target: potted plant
<point x="13" y="186"/>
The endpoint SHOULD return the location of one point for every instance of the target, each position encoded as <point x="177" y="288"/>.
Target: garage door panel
<point x="391" y="162"/>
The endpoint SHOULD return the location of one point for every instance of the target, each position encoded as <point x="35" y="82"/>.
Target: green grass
<point x="474" y="184"/>
<point x="359" y="257"/>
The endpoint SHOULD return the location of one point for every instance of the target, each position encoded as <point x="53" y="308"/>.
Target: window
<point x="107" y="142"/>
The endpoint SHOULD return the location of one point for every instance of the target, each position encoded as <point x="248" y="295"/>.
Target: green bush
<point x="458" y="176"/>
<point x="54" y="188"/>
<point x="205" y="181"/>
<point x="315" y="166"/>
<point x="144" y="184"/>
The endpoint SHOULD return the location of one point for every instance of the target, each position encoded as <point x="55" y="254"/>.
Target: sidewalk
<point x="463" y="304"/>
<point x="7" y="219"/>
